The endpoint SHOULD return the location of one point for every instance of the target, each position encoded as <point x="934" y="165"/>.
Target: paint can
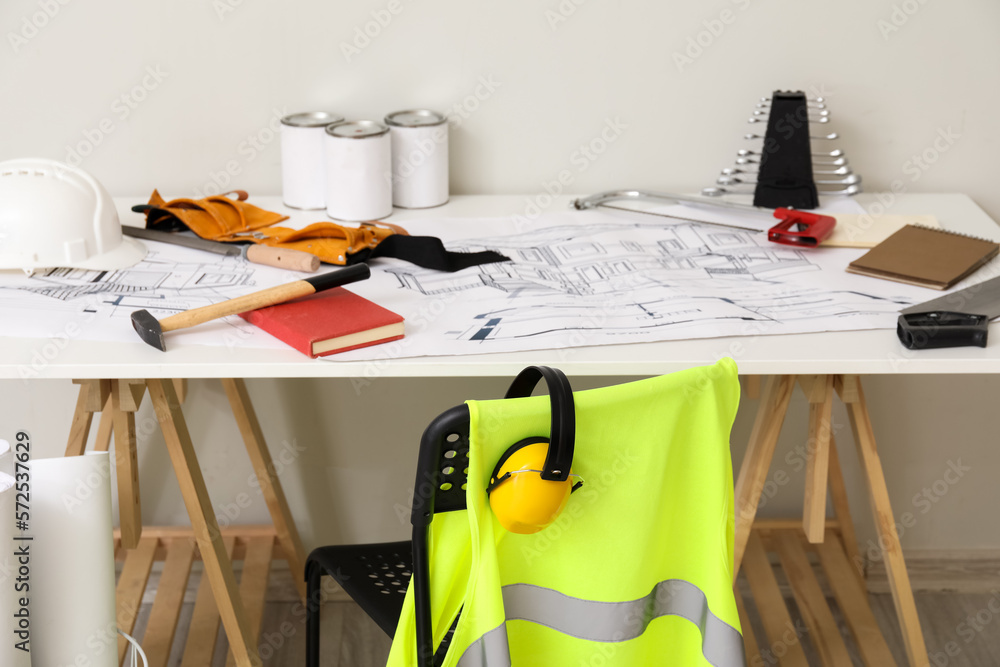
<point x="358" y="164"/>
<point x="419" y="158"/>
<point x="303" y="161"/>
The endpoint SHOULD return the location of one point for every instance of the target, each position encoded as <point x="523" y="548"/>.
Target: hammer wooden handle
<point x="267" y="297"/>
<point x="241" y="304"/>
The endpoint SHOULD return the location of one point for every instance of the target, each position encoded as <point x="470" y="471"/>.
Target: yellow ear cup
<point x="524" y="502"/>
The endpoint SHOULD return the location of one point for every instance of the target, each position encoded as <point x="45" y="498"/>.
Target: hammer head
<point x="148" y="328"/>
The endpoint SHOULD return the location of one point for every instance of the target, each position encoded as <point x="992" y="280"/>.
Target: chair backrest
<point x="440" y="486"/>
<point x="442" y="475"/>
<point x="442" y="466"/>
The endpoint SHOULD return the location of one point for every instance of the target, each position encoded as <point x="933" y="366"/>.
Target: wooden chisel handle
<point x="283" y="258"/>
<point x="267" y="297"/>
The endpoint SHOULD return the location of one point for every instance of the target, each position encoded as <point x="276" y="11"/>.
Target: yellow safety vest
<point x="636" y="571"/>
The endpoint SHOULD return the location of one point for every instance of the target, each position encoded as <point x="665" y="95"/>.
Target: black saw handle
<point x="925" y="331"/>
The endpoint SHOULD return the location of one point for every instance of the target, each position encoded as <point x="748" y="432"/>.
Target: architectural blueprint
<point x="598" y="277"/>
<point x="575" y="278"/>
<point x="96" y="305"/>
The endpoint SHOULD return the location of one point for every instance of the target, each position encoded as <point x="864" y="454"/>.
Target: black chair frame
<point x="442" y="473"/>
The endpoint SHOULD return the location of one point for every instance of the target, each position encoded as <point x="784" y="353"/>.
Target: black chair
<point x="376" y="575"/>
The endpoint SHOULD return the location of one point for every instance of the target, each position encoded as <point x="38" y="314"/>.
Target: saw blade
<point x="980" y="299"/>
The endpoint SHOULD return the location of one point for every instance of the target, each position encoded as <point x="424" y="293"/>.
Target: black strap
<point x="161" y="219"/>
<point x="427" y="252"/>
<point x="562" y="434"/>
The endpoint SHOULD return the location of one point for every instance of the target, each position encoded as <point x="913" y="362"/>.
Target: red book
<point x="328" y="322"/>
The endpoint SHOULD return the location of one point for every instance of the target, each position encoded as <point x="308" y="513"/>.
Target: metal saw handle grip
<point x="936" y="329"/>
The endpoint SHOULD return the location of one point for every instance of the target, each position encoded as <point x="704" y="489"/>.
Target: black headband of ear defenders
<point x="562" y="434"/>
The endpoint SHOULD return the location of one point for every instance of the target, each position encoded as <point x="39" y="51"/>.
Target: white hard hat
<point x="52" y="214"/>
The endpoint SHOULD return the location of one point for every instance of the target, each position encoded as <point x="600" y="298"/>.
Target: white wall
<point x="206" y="83"/>
<point x="224" y="73"/>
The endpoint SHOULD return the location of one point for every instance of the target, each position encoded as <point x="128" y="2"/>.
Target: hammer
<point x="151" y="330"/>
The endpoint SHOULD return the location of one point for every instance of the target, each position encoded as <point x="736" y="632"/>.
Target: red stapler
<point x="800" y="228"/>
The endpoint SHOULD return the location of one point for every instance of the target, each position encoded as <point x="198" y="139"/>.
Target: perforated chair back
<point x="376" y="575"/>
<point x="442" y="475"/>
<point x="442" y="466"/>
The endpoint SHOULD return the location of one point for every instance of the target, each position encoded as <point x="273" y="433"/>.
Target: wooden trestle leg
<point x="239" y="609"/>
<point x="267" y="477"/>
<point x="757" y="460"/>
<point x="850" y="391"/>
<point x="218" y="566"/>
<point x="126" y="395"/>
<point x="834" y="541"/>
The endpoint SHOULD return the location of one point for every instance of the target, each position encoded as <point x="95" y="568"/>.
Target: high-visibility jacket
<point x="637" y="570"/>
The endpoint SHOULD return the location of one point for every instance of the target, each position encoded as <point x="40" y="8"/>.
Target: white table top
<point x="861" y="352"/>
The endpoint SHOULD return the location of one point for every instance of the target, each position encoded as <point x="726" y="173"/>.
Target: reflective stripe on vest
<point x="490" y="650"/>
<point x="722" y="644"/>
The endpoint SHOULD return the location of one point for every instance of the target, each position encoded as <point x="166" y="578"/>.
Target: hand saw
<point x="797" y="228"/>
<point x="958" y="319"/>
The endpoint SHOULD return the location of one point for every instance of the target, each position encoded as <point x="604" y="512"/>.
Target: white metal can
<point x="303" y="162"/>
<point x="358" y="155"/>
<point x="419" y="158"/>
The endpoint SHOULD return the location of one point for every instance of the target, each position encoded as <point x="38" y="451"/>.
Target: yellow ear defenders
<point x="531" y="482"/>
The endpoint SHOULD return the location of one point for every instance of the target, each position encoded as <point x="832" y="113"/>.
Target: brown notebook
<point x="926" y="257"/>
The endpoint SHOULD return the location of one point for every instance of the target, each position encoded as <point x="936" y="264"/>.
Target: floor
<point x="961" y="630"/>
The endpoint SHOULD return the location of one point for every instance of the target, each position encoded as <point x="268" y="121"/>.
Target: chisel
<point x="959" y="319"/>
<point x="295" y="260"/>
<point x="151" y="330"/>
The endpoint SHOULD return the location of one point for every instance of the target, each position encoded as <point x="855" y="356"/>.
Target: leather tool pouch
<point x="222" y="218"/>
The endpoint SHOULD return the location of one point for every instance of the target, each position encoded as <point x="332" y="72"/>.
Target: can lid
<point x="415" y="118"/>
<point x="356" y="129"/>
<point x="311" y="119"/>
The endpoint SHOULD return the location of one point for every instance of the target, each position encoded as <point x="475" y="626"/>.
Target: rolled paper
<point x="72" y="562"/>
